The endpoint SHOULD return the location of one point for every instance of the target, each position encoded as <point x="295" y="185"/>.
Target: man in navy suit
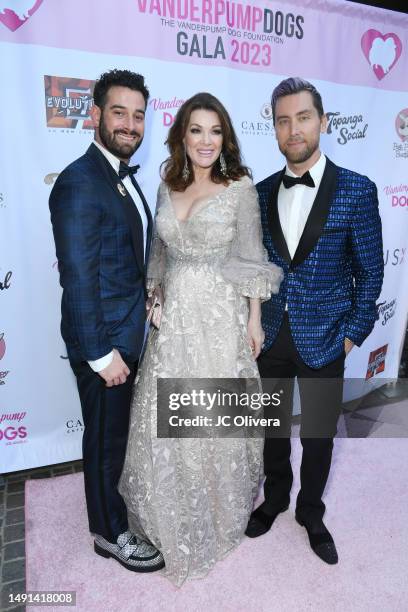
<point x="322" y="226"/>
<point x="102" y="228"/>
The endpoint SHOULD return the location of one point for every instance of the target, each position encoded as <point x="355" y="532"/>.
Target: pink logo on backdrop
<point x="2" y="352"/>
<point x="14" y="13"/>
<point x="382" y="51"/>
<point x="401" y="124"/>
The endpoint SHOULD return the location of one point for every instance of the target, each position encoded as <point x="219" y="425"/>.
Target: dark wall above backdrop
<point x="392" y="5"/>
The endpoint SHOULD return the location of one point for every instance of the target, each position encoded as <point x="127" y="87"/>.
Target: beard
<point x="113" y="145"/>
<point x="301" y="155"/>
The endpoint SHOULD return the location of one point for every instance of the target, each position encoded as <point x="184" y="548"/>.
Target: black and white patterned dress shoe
<point x="132" y="552"/>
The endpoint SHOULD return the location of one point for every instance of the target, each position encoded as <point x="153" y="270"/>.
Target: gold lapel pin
<point x="121" y="189"/>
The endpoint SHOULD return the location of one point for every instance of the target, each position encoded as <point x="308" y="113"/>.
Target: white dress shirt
<point x="99" y="364"/>
<point x="295" y="204"/>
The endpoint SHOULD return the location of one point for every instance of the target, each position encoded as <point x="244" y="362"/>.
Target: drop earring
<point x="223" y="165"/>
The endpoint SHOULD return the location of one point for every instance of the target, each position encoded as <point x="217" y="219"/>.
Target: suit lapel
<point x="129" y="207"/>
<point x="318" y="214"/>
<point x="275" y="227"/>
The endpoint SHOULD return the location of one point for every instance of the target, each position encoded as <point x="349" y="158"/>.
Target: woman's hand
<point x="154" y="306"/>
<point x="256" y="335"/>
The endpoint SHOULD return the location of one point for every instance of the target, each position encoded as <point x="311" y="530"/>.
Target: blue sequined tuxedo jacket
<point x="334" y="279"/>
<point x="98" y="236"/>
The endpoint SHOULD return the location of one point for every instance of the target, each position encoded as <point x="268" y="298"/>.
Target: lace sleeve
<point x="248" y="267"/>
<point x="157" y="258"/>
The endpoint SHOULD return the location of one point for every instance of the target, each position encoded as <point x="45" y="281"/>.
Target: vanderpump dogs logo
<point x="15" y="13"/>
<point x="12" y="431"/>
<point x="376" y="362"/>
<point x="382" y="51"/>
<point x="346" y="127"/>
<point x="68" y="102"/>
<point x="262" y="125"/>
<point x="397" y="196"/>
<point x="167" y="108"/>
<point x="386" y="310"/>
<point x="3" y="373"/>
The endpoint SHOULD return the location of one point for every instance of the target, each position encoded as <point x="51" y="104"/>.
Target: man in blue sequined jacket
<point x="322" y="226"/>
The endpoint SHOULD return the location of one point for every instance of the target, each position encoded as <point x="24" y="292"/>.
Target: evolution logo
<point x="259" y="127"/>
<point x="4" y="373"/>
<point x="68" y="102"/>
<point x="382" y="51"/>
<point x="74" y="426"/>
<point x="386" y="310"/>
<point x="15" y="13"/>
<point x="395" y="257"/>
<point x="348" y="127"/>
<point x="168" y="108"/>
<point x="15" y="433"/>
<point x="376" y="362"/>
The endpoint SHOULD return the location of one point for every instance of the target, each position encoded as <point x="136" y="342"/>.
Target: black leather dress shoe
<point x="260" y="522"/>
<point x="321" y="541"/>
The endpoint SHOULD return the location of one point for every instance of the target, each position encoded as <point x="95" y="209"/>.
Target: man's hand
<point x="116" y="372"/>
<point x="348" y="345"/>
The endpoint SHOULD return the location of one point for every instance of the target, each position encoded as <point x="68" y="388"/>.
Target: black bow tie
<point x="125" y="170"/>
<point x="290" y="181"/>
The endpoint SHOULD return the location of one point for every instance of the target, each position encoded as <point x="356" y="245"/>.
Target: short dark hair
<point x="295" y="85"/>
<point x="118" y="78"/>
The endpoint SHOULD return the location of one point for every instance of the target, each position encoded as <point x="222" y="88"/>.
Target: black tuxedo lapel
<point x="148" y="215"/>
<point x="126" y="201"/>
<point x="275" y="227"/>
<point x="318" y="214"/>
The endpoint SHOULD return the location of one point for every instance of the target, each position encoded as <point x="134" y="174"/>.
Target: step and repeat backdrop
<point x="51" y="53"/>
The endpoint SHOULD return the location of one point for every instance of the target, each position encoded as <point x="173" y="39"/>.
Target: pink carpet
<point x="367" y="499"/>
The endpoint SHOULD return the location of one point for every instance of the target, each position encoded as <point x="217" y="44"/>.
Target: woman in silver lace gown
<point x="192" y="497"/>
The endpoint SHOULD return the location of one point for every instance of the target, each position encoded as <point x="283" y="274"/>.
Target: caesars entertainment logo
<point x="261" y="125"/>
<point x="346" y="128"/>
<point x="12" y="428"/>
<point x="376" y="362"/>
<point x="3" y="373"/>
<point x="401" y="128"/>
<point x="74" y="425"/>
<point x="67" y="103"/>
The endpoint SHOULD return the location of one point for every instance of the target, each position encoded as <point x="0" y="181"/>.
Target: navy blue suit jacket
<point x="334" y="279"/>
<point x="99" y="244"/>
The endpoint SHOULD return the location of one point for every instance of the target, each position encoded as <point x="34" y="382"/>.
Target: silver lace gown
<point x="192" y="497"/>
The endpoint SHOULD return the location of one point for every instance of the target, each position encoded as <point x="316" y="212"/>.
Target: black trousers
<point x="321" y="397"/>
<point x="105" y="412"/>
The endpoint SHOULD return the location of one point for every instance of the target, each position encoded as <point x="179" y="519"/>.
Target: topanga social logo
<point x="15" y="13"/>
<point x="382" y="51"/>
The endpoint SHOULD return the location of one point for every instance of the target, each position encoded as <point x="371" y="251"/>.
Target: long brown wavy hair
<point x="172" y="167"/>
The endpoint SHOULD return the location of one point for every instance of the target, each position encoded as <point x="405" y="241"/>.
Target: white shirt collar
<point x="316" y="171"/>
<point x="112" y="159"/>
